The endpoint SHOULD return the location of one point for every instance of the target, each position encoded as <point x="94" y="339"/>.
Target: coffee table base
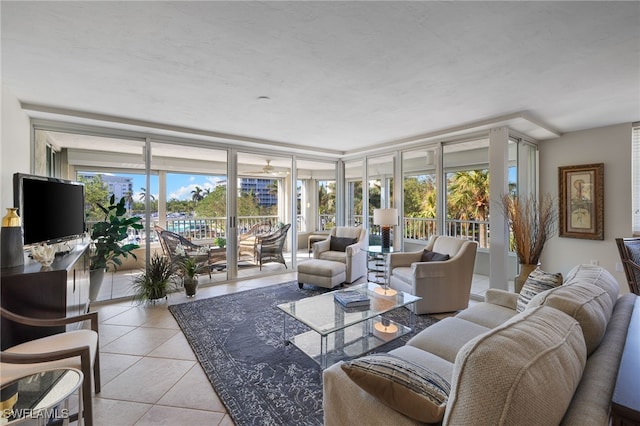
<point x="350" y="342"/>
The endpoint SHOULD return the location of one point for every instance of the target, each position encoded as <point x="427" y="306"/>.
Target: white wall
<point x="611" y="146"/>
<point x="14" y="146"/>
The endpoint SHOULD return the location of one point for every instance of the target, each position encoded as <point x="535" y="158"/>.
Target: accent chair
<point x="444" y="285"/>
<point x="629" y="249"/>
<point x="72" y="349"/>
<point x="347" y="245"/>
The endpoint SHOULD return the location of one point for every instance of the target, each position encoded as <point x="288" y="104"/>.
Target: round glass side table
<point x="41" y="397"/>
<point x="378" y="268"/>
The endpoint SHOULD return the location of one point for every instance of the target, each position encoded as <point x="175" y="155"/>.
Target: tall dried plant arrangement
<point x="532" y="223"/>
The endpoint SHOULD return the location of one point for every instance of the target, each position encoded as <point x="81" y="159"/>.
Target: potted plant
<point x="155" y="281"/>
<point x="532" y="223"/>
<point x="190" y="269"/>
<point x="106" y="237"/>
<point x="220" y="242"/>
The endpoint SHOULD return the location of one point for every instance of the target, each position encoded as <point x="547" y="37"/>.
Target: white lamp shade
<point x="387" y="217"/>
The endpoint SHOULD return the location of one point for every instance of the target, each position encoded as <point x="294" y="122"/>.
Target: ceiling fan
<point x="268" y="170"/>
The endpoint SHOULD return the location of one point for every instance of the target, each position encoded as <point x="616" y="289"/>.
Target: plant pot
<point x="157" y="293"/>
<point x="190" y="286"/>
<point x="96" y="276"/>
<point x="525" y="270"/>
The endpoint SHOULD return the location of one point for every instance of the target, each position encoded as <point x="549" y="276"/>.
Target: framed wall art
<point x="581" y="205"/>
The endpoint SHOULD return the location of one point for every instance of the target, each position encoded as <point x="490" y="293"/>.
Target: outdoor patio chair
<point x="629" y="249"/>
<point x="175" y="247"/>
<point x="269" y="248"/>
<point x="248" y="241"/>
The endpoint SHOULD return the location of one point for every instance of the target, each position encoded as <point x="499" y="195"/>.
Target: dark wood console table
<point x="56" y="292"/>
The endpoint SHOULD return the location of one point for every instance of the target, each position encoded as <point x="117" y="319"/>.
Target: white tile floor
<point x="149" y="374"/>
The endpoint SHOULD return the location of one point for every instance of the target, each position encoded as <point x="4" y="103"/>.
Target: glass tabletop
<point x="27" y="396"/>
<point x="379" y="250"/>
<point x="324" y="315"/>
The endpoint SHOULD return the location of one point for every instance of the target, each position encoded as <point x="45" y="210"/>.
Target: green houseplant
<point x="107" y="237"/>
<point x="190" y="269"/>
<point x="155" y="281"/>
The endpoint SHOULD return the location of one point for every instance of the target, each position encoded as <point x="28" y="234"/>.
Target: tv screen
<point x="52" y="210"/>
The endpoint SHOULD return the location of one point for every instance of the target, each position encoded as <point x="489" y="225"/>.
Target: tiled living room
<point x="340" y="109"/>
<point x="138" y="341"/>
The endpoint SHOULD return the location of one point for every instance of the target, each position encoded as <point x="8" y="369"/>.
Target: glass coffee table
<point x="339" y="333"/>
<point x="41" y="398"/>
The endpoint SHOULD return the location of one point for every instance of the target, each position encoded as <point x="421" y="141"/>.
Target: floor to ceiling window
<point x="353" y="193"/>
<point x="380" y="172"/>
<point x="444" y="190"/>
<point x="466" y="176"/>
<point x="419" y="194"/>
<point x="264" y="217"/>
<point x="108" y="166"/>
<point x="317" y="195"/>
<point x="190" y="201"/>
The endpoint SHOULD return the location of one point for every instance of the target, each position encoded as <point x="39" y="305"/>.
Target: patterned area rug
<point x="238" y="339"/>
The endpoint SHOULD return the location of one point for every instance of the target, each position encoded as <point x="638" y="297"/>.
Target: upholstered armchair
<point x="444" y="285"/>
<point x="75" y="349"/>
<point x="347" y="245"/>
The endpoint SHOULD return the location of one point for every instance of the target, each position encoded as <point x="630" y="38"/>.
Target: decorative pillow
<point x="537" y="282"/>
<point x="409" y="388"/>
<point x="430" y="256"/>
<point x="341" y="243"/>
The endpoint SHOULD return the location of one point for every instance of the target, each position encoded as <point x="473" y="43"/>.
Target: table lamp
<point x="386" y="218"/>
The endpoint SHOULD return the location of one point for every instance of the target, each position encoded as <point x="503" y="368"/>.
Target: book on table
<point x="351" y="299"/>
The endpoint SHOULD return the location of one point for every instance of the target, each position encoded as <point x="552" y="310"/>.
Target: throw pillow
<point x="341" y="243"/>
<point x="537" y="282"/>
<point x="409" y="388"/>
<point x="430" y="256"/>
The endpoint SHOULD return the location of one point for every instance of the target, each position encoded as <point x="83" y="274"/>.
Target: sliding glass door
<point x="264" y="218"/>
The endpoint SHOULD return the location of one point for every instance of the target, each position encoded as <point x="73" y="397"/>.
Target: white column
<point x="498" y="185"/>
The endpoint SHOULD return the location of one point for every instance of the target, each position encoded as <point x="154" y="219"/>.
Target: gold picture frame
<point x="581" y="205"/>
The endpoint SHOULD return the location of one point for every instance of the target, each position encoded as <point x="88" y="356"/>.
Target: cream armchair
<point x="76" y="349"/>
<point x="444" y="286"/>
<point x="354" y="255"/>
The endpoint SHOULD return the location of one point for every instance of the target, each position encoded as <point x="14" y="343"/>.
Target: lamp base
<point x="385" y="330"/>
<point x="386" y="237"/>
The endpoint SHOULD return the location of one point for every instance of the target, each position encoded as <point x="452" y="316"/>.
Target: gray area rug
<point x="238" y="340"/>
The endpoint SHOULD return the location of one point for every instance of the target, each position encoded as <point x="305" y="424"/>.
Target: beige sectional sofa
<point x="556" y="362"/>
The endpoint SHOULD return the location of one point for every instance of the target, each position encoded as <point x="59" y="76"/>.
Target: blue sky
<point x="179" y="186"/>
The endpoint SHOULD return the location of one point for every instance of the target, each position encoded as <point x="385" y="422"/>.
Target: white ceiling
<point x="340" y="76"/>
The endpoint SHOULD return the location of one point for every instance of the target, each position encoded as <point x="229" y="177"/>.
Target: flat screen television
<point x="52" y="209"/>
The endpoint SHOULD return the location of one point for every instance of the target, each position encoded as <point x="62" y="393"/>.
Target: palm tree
<point x="196" y="194"/>
<point x="468" y="198"/>
<point x="143" y="195"/>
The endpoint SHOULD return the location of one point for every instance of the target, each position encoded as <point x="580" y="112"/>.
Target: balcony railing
<point x="414" y="228"/>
